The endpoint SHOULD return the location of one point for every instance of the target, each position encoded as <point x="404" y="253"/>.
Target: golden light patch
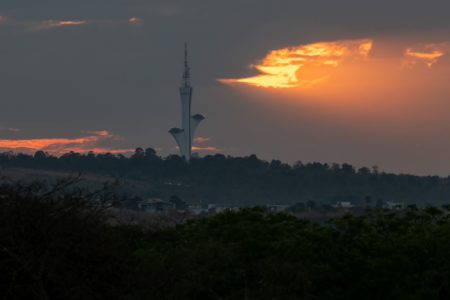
<point x="304" y="65"/>
<point x="202" y="140"/>
<point x="50" y="24"/>
<point x="428" y="54"/>
<point x="206" y="149"/>
<point x="135" y="21"/>
<point x="60" y="146"/>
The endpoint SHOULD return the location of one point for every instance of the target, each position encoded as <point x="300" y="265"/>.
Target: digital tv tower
<point x="184" y="135"/>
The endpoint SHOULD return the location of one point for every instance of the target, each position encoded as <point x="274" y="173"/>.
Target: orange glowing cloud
<point x="304" y="65"/>
<point x="51" y="24"/>
<point x="58" y="146"/>
<point x="202" y="140"/>
<point x="135" y="21"/>
<point x="428" y="54"/>
<point x="207" y="149"/>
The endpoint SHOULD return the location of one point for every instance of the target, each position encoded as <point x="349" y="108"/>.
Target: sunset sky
<point x="363" y="82"/>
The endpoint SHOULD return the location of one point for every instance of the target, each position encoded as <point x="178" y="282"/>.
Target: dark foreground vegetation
<point x="242" y="180"/>
<point x="55" y="244"/>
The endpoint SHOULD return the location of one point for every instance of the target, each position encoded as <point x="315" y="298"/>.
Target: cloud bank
<point x="312" y="64"/>
<point x="94" y="142"/>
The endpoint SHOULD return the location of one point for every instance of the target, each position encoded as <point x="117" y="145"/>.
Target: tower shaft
<point x="186" y="101"/>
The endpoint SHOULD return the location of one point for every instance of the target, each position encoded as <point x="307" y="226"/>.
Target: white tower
<point x="184" y="135"/>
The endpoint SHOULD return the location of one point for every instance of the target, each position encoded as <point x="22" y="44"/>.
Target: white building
<point x="277" y="208"/>
<point x="184" y="135"/>
<point x="343" y="204"/>
<point x="394" y="205"/>
<point x="218" y="208"/>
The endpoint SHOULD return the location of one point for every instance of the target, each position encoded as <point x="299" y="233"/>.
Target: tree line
<point x="243" y="180"/>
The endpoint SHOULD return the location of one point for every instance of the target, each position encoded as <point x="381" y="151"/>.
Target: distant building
<point x="343" y="204"/>
<point x="197" y="209"/>
<point x="218" y="208"/>
<point x="156" y="206"/>
<point x="277" y="208"/>
<point x="394" y="205"/>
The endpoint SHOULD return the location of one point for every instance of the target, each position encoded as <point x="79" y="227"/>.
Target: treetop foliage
<point x="56" y="245"/>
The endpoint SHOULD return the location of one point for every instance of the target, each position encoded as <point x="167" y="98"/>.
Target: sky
<point x="351" y="81"/>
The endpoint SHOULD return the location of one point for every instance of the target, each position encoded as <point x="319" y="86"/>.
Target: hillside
<point x="234" y="180"/>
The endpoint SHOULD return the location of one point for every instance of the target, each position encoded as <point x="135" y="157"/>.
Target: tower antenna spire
<point x="187" y="70"/>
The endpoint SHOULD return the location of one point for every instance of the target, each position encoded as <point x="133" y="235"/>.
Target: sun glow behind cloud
<point x="386" y="86"/>
<point x="304" y="65"/>
<point x="313" y="65"/>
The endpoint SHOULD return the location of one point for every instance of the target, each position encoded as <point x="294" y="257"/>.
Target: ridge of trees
<point x="219" y="178"/>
